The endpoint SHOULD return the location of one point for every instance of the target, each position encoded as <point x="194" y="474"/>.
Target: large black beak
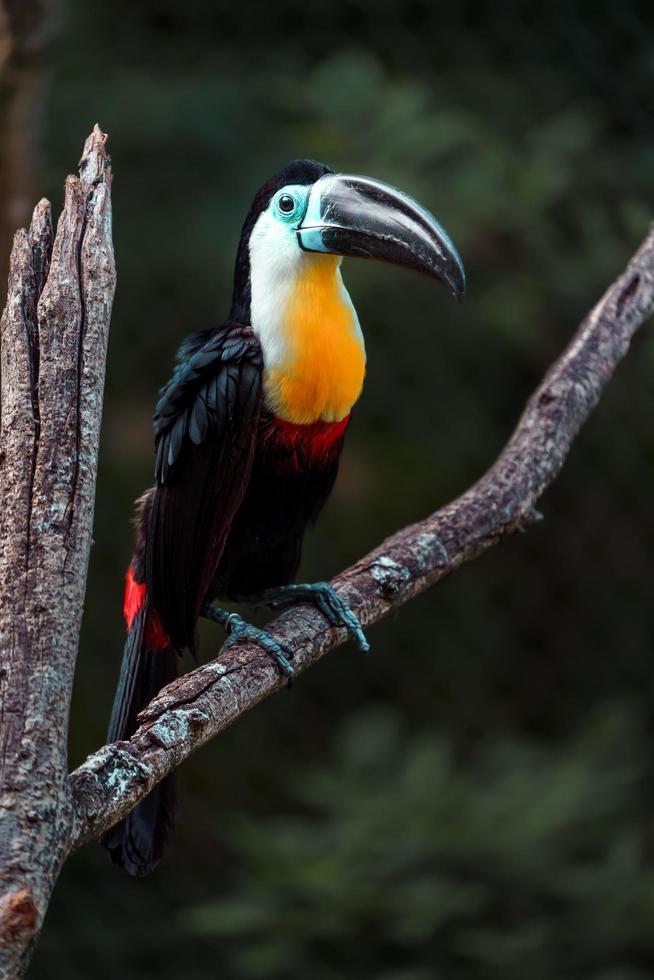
<point x="358" y="216"/>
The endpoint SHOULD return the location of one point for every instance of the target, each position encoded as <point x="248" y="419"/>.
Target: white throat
<point x="276" y="264"/>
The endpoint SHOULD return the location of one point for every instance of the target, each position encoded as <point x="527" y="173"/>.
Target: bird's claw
<point x="238" y="631"/>
<point x="333" y="606"/>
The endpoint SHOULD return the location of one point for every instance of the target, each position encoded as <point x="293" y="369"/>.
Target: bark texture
<point x="53" y="349"/>
<point x="201" y="704"/>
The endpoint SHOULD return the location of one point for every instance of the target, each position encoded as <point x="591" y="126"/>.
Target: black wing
<point x="205" y="425"/>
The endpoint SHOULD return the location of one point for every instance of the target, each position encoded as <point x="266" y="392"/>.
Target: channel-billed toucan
<point x="248" y="433"/>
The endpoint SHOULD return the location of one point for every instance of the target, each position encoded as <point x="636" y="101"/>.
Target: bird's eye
<point x="286" y="204"/>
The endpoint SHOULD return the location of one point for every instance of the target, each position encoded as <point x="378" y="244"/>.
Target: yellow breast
<point x="321" y="373"/>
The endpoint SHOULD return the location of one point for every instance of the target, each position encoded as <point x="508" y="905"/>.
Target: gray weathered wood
<point x="53" y="348"/>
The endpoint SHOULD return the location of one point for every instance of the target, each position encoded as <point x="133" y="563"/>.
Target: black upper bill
<point x="358" y="216"/>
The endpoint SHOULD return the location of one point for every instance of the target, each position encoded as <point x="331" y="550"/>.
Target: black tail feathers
<point x="138" y="842"/>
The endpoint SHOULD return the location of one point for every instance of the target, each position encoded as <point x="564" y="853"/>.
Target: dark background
<point x="473" y="800"/>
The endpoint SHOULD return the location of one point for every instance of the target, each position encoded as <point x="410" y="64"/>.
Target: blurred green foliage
<point x="495" y="865"/>
<point x="474" y="800"/>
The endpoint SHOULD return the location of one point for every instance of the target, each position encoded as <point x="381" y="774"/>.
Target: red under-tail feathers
<point x="135" y="593"/>
<point x="149" y="663"/>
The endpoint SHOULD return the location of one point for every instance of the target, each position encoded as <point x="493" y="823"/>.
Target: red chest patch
<point x="302" y="445"/>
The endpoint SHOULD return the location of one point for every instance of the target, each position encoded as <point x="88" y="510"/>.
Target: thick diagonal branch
<point x="201" y="704"/>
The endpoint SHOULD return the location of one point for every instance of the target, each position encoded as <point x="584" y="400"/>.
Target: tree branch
<point x="53" y="347"/>
<point x="198" y="706"/>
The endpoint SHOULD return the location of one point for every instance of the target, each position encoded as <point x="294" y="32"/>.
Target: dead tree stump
<point x="53" y="348"/>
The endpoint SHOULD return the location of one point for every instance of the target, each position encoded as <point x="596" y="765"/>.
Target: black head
<point x="298" y="172"/>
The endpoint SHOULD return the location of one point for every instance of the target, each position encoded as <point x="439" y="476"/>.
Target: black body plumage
<point x="226" y="516"/>
<point x="236" y="485"/>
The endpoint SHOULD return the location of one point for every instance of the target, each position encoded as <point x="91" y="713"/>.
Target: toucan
<point x="248" y="435"/>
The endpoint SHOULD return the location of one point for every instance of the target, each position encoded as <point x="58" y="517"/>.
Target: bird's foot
<point x="333" y="606"/>
<point x="238" y="631"/>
